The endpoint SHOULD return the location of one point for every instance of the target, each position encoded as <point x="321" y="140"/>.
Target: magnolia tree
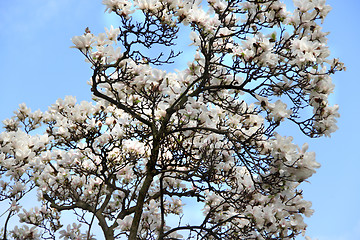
<point x="153" y="139"/>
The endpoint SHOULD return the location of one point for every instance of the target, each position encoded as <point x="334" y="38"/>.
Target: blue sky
<point x="37" y="67"/>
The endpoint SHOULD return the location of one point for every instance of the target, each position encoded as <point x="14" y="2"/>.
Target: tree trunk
<point x="139" y="206"/>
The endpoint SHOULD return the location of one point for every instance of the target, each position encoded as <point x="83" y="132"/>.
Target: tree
<point x="152" y="139"/>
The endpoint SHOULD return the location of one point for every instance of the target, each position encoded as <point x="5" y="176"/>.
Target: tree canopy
<point x="153" y="139"/>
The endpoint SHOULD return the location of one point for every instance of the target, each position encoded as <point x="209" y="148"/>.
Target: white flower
<point x="148" y="4"/>
<point x="24" y="232"/>
<point x="134" y="145"/>
<point x="279" y="111"/>
<point x="101" y="40"/>
<point x="112" y="54"/>
<point x="304" y="5"/>
<point x="112" y="33"/>
<point x="323" y="9"/>
<point x="125" y="224"/>
<point x="83" y="42"/>
<point x="306" y="50"/>
<point x="194" y="37"/>
<point x="18" y="187"/>
<point x="120" y="6"/>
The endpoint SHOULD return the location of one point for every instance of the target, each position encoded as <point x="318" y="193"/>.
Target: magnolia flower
<point x="112" y="33"/>
<point x="83" y="42"/>
<point x="194" y="37"/>
<point x="305" y="50"/>
<point x="18" y="187"/>
<point x="279" y="111"/>
<point x="112" y="54"/>
<point x="304" y="5"/>
<point x="125" y="223"/>
<point x="24" y="232"/>
<point x="148" y="4"/>
<point x="101" y="40"/>
<point x="322" y="8"/>
<point x="120" y="6"/>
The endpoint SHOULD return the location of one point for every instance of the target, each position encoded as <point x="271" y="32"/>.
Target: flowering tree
<point x="153" y="139"/>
